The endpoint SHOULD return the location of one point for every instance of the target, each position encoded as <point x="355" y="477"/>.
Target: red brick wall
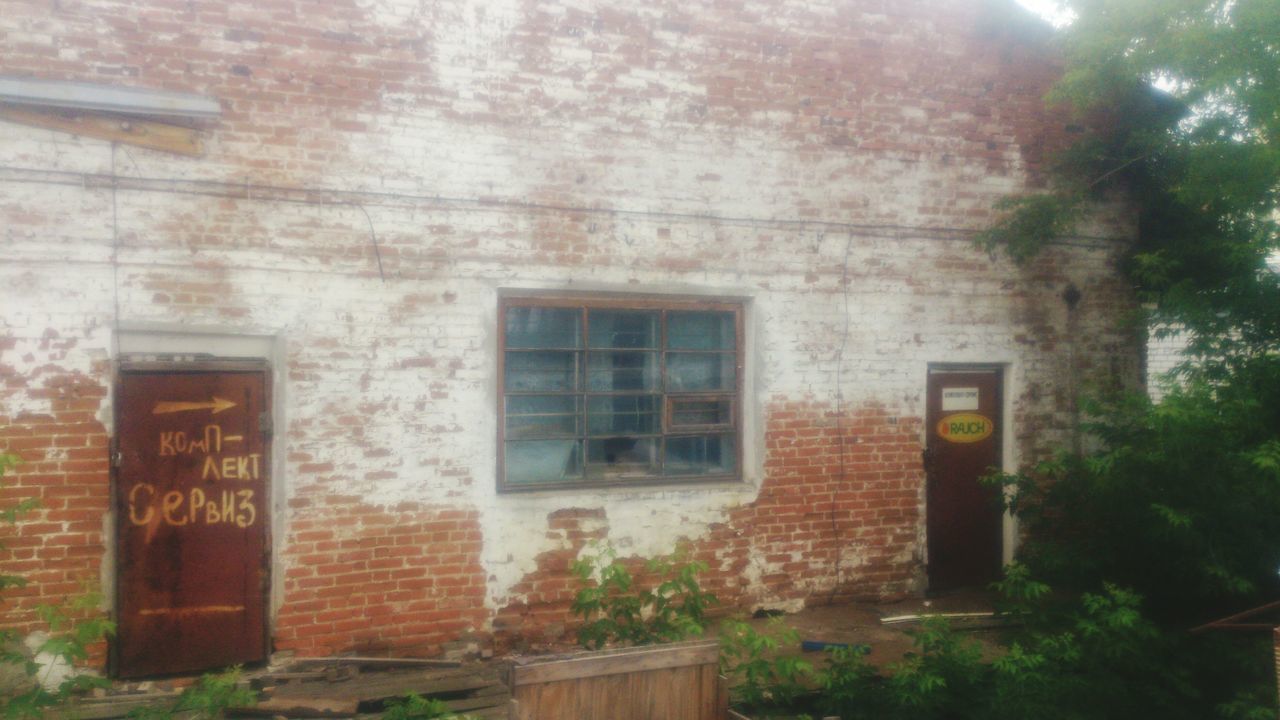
<point x="365" y="579"/>
<point x="809" y="508"/>
<point x="58" y="546"/>
<point x="827" y="161"/>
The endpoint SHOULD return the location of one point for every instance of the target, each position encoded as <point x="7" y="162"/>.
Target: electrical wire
<point x="840" y="427"/>
<point x="330" y="197"/>
<point x="373" y="235"/>
<point x="115" y="258"/>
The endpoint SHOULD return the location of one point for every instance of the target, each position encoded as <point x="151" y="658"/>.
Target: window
<point x="599" y="392"/>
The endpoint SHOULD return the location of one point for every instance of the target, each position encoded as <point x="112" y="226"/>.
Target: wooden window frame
<point x="669" y="411"/>
<point x="665" y="430"/>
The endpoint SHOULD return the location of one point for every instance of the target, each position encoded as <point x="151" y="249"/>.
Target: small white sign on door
<point x="959" y="398"/>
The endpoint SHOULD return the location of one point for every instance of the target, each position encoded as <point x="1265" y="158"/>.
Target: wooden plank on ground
<point x="478" y="702"/>
<point x="494" y="713"/>
<point x="627" y="660"/>
<point x="112" y="707"/>
<point x="371" y="688"/>
<point x="378" y="662"/>
<point x="298" y="708"/>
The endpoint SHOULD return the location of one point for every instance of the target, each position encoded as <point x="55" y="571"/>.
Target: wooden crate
<point x="679" y="681"/>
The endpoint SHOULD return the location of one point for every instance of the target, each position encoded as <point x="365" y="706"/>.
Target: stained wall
<point x="384" y="169"/>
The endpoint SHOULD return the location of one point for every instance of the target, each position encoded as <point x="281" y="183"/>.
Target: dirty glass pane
<point x="700" y="455"/>
<point x="541" y="371"/>
<point x="686" y="412"/>
<point x="700" y="371"/>
<point x="538" y="461"/>
<point x="543" y="327"/>
<point x="621" y="371"/>
<point x="623" y="415"/>
<point x="622" y="457"/>
<point x="701" y="331"/>
<point x="543" y="416"/>
<point x="622" y="329"/>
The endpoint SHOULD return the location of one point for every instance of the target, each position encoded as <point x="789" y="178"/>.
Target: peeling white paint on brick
<point x="658" y="149"/>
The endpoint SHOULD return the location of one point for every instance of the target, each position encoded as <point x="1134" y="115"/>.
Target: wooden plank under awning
<point x="130" y="131"/>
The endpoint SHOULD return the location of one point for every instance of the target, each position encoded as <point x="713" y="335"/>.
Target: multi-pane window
<point x="611" y="391"/>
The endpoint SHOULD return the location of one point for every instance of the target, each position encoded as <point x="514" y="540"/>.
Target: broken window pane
<point x="541" y="371"/>
<point x="622" y="371"/>
<point x="700" y="412"/>
<point x="701" y="331"/>
<point x="621" y="457"/>
<point x="618" y="394"/>
<point x="700" y="371"/>
<point x="543" y="416"/>
<point x="700" y="455"/>
<point x="544" y="327"/>
<point x="623" y="415"/>
<point x="623" y="329"/>
<point x="534" y="461"/>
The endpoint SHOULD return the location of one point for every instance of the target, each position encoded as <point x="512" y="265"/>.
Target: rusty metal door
<point x="192" y="527"/>
<point x="964" y="516"/>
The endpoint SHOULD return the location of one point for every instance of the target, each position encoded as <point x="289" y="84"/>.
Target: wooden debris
<point x="492" y="696"/>
<point x="377" y="662"/>
<point x="474" y="690"/>
<point x="298" y="707"/>
<point x="341" y="690"/>
<point x="898" y="619"/>
<point x="502" y="712"/>
<point x="113" y="706"/>
<point x="283" y="678"/>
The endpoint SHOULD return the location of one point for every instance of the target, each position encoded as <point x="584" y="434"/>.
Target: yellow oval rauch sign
<point x="965" y="428"/>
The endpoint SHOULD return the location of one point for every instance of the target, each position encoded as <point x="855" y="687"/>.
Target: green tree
<point x="1183" y="97"/>
<point x="1193" y="482"/>
<point x="1181" y="500"/>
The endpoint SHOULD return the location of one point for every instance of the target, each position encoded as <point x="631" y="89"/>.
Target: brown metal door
<point x="191" y="508"/>
<point x="964" y="516"/>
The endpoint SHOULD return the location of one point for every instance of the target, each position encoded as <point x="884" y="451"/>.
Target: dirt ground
<point x="860" y="623"/>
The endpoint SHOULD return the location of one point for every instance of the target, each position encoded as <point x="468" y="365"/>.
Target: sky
<point x="1047" y="9"/>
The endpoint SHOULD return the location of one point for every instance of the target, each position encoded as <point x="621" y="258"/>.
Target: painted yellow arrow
<point x="217" y="405"/>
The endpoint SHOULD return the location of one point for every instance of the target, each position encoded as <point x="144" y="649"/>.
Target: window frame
<point x="645" y="303"/>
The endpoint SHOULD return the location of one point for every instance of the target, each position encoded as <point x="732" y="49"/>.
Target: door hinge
<point x="114" y="452"/>
<point x="264" y="424"/>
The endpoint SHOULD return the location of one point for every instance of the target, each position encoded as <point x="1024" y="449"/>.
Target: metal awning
<point x="35" y="93"/>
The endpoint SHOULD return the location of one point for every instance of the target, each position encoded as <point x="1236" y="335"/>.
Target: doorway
<point x="965" y="517"/>
<point x="192" y="541"/>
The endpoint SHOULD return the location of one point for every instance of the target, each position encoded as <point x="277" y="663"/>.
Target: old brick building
<point x="455" y="286"/>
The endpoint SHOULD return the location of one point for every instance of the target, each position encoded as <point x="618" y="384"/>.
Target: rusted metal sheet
<point x="192" y="526"/>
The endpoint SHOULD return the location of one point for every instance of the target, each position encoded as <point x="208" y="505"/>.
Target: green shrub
<point x="415" y="707"/>
<point x="614" y="607"/>
<point x="759" y="678"/>
<point x="1177" y="509"/>
<point x="213" y="694"/>
<point x="1180" y="503"/>
<point x="945" y="677"/>
<point x="73" y="626"/>
<point x="1099" y="659"/>
<point x="852" y="689"/>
